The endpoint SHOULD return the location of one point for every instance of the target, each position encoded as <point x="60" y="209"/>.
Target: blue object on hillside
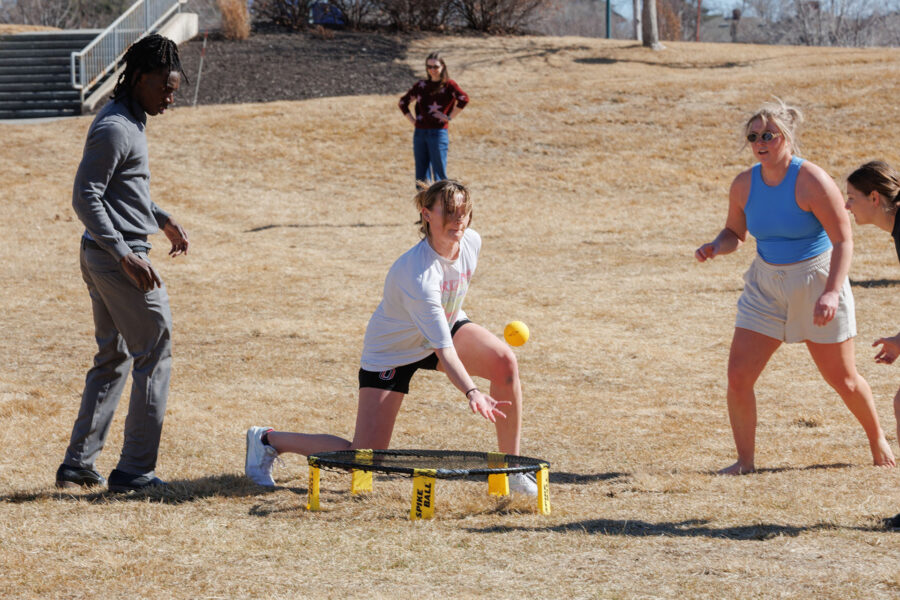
<point x="323" y="13"/>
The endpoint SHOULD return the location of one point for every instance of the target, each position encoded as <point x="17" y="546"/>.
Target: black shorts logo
<point x="387" y="375"/>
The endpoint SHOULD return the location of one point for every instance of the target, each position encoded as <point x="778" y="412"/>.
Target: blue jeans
<point x="430" y="151"/>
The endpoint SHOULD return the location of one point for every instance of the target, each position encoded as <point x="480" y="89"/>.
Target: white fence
<point x="101" y="56"/>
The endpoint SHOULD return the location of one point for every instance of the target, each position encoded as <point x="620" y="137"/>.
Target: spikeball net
<point x="426" y="467"/>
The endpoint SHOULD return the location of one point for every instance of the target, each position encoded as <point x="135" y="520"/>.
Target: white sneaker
<point x="259" y="457"/>
<point x="522" y="483"/>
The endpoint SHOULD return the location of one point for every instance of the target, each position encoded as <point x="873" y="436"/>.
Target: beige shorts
<point x="778" y="301"/>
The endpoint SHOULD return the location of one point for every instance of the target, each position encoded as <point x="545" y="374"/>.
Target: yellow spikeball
<point x="515" y="333"/>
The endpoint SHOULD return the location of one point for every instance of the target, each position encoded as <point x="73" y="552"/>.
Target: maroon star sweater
<point x="431" y="97"/>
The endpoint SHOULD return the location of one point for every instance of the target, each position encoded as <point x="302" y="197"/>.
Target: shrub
<point x="356" y="12"/>
<point x="497" y="16"/>
<point x="287" y="13"/>
<point x="235" y="19"/>
<point x="417" y="14"/>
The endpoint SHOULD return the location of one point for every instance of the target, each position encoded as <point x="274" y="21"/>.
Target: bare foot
<point x="739" y="469"/>
<point x="882" y="455"/>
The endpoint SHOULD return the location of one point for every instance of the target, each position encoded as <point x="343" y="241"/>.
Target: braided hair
<point x="144" y="56"/>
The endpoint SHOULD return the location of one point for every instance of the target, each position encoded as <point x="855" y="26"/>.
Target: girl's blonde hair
<point x="785" y="118"/>
<point x="450" y="193"/>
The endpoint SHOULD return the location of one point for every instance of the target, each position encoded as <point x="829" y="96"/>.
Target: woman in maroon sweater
<point x="438" y="99"/>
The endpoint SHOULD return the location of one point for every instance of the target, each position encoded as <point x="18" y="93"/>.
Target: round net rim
<point x="348" y="459"/>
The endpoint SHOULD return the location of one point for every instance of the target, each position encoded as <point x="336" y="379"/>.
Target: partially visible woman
<point x="873" y="196"/>
<point x="797" y="288"/>
<point x="438" y="100"/>
<point x="873" y="193"/>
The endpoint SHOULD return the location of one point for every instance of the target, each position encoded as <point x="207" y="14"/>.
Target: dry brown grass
<point x="594" y="182"/>
<point x="235" y="19"/>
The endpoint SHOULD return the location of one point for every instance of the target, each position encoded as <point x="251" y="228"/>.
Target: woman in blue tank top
<point x="797" y="288"/>
<point x="873" y="196"/>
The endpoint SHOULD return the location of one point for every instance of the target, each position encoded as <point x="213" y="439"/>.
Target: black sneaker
<point x="893" y="522"/>
<point x="73" y="477"/>
<point x="120" y="481"/>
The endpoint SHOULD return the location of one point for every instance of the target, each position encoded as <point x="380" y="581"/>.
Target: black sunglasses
<point x="766" y="136"/>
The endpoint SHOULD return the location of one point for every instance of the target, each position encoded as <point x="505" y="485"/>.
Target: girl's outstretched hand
<point x="890" y="349"/>
<point x="486" y="406"/>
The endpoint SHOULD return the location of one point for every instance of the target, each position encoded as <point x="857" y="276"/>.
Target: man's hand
<point x="141" y="271"/>
<point x="178" y="236"/>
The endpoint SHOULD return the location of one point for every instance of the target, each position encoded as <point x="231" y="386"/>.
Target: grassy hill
<point x="597" y="168"/>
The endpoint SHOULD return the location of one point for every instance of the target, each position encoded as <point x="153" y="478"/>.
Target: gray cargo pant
<point x="130" y="326"/>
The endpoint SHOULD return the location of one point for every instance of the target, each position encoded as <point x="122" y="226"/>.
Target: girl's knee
<point x="505" y="367"/>
<point x="740" y="380"/>
<point x="849" y="384"/>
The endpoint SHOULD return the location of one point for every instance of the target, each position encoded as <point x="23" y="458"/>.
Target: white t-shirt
<point x="423" y="296"/>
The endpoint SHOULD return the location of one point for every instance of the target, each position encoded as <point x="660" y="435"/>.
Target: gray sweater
<point x="111" y="195"/>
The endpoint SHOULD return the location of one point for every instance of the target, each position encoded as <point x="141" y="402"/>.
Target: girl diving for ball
<point x="420" y="324"/>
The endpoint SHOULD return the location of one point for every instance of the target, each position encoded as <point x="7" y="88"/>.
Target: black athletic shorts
<point x="398" y="378"/>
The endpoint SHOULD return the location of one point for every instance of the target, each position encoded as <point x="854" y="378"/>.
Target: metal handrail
<point x="103" y="54"/>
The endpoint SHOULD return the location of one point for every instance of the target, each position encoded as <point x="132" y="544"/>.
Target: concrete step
<point x="35" y="85"/>
<point x="72" y="35"/>
<point x="54" y="77"/>
<point x="37" y="113"/>
<point x="8" y="44"/>
<point x="6" y="54"/>
<point x="40" y="96"/>
<point x="35" y="62"/>
<point x="51" y="72"/>
<point x="36" y="67"/>
<point x="41" y="61"/>
<point x="35" y="81"/>
<point x="20" y="104"/>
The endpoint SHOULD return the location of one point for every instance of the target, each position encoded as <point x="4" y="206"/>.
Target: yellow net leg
<point x="312" y="492"/>
<point x="543" y="486"/>
<point x="498" y="483"/>
<point x="362" y="480"/>
<point x="423" y="494"/>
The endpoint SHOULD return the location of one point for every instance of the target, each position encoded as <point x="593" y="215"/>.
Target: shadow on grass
<point x="267" y="510"/>
<point x="827" y="467"/>
<point x="789" y="469"/>
<point x="689" y="528"/>
<point x="875" y="283"/>
<point x="179" y="491"/>
<point x="606" y="60"/>
<point x="583" y="478"/>
<point x="320" y="226"/>
<point x="510" y="57"/>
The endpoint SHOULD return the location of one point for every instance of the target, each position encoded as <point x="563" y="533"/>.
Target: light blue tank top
<point x="784" y="232"/>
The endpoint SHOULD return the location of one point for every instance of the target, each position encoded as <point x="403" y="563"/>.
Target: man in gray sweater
<point x="132" y="321"/>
